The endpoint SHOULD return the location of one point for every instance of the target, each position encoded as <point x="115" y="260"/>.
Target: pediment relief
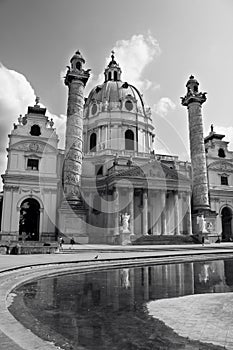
<point x="221" y="166"/>
<point x="33" y="146"/>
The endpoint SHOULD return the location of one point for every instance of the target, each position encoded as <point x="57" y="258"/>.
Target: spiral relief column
<point x="193" y="100"/>
<point x="72" y="216"/>
<point x="76" y="79"/>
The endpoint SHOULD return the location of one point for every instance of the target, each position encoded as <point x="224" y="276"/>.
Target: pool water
<point x="108" y="309"/>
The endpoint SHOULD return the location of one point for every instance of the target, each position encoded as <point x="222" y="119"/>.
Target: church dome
<point x="113" y="94"/>
<point x="115" y="118"/>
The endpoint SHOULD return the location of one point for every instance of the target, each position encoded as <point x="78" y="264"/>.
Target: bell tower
<point x="72" y="217"/>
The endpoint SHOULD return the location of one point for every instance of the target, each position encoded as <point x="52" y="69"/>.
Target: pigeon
<point x="96" y="257"/>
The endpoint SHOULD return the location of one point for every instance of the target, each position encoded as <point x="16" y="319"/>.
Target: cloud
<point x="133" y="56"/>
<point x="163" y="107"/>
<point x="16" y="94"/>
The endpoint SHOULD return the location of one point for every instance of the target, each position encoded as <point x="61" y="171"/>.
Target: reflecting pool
<point x="107" y="309"/>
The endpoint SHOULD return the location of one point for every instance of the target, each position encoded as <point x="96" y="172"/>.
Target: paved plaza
<point x="185" y="314"/>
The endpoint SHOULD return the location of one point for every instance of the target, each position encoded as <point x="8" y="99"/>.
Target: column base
<point x="72" y="221"/>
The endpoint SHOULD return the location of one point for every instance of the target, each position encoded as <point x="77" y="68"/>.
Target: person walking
<point x="72" y="242"/>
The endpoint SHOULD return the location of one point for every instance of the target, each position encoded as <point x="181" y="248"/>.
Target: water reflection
<point x="106" y="309"/>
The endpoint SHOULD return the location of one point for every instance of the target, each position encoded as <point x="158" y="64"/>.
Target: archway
<point x="29" y="220"/>
<point x="226" y="224"/>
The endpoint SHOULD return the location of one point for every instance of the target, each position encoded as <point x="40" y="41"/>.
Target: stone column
<point x="76" y="79"/>
<point x="116" y="212"/>
<point x="72" y="212"/>
<point x="163" y="215"/>
<point x="145" y="212"/>
<point x="189" y="215"/>
<point x="176" y="214"/>
<point x="131" y="211"/>
<point x="194" y="100"/>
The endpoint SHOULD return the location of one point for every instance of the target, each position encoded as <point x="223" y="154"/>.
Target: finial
<point x="20" y="119"/>
<point x="211" y="128"/>
<point x="112" y="56"/>
<point x="37" y="100"/>
<point x="191" y="76"/>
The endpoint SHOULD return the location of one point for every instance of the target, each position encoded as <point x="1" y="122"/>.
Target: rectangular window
<point x="33" y="164"/>
<point x="224" y="180"/>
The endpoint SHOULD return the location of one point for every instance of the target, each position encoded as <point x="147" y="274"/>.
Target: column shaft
<point x="131" y="211"/>
<point x="116" y="212"/>
<point x="145" y="212"/>
<point x="163" y="213"/>
<point x="74" y="140"/>
<point x="176" y="214"/>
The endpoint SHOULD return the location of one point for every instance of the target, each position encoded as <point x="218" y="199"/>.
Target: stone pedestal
<point x="72" y="223"/>
<point x="209" y="233"/>
<point x="125" y="237"/>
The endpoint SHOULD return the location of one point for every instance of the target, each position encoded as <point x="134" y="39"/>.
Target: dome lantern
<point x="113" y="71"/>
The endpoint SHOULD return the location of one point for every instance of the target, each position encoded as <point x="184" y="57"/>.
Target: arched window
<point x="115" y="76"/>
<point x="221" y="153"/>
<point x="93" y="142"/>
<point x="129" y="140"/>
<point x="78" y="65"/>
<point x="109" y="76"/>
<point x="35" y="130"/>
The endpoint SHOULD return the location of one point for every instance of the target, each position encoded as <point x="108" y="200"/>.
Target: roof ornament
<point x="211" y="128"/>
<point x="37" y="100"/>
<point x="112" y="56"/>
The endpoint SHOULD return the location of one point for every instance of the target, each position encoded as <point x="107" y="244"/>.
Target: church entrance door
<point x="226" y="224"/>
<point x="29" y="220"/>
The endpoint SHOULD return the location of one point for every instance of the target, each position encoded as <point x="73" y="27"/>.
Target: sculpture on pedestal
<point x="125" y="221"/>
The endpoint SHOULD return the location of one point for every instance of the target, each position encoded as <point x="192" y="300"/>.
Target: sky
<point x="158" y="44"/>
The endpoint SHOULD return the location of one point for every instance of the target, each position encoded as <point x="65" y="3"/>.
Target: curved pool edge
<point x="16" y="336"/>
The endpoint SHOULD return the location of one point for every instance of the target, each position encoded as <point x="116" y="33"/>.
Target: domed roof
<point x="192" y="80"/>
<point x="78" y="56"/>
<point x="113" y="90"/>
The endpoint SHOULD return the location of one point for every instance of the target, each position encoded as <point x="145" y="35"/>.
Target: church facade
<point x="108" y="185"/>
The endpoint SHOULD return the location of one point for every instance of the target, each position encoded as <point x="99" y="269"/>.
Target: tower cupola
<point x="113" y="71"/>
<point x="192" y="85"/>
<point x="77" y="61"/>
<point x="193" y="94"/>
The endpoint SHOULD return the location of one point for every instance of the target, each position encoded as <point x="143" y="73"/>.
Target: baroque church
<point x="109" y="185"/>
